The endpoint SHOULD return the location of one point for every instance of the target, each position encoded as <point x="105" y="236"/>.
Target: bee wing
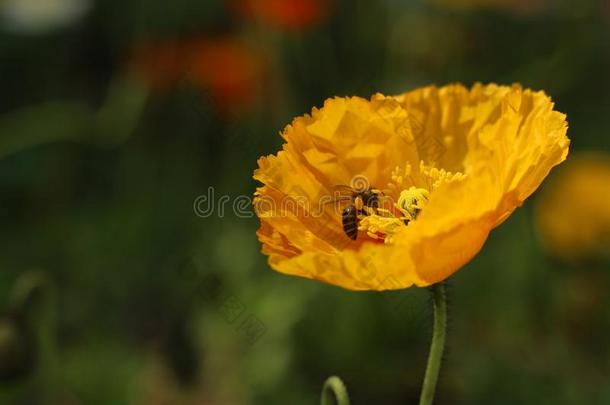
<point x="336" y="200"/>
<point x="342" y="188"/>
<point x="341" y="195"/>
<point x="325" y="200"/>
<point x="380" y="191"/>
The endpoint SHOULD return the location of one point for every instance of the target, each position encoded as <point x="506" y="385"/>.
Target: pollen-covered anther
<point x="380" y="225"/>
<point x="412" y="201"/>
<point x="379" y="228"/>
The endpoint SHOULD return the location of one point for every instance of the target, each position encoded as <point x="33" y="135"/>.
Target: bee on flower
<point x="454" y="163"/>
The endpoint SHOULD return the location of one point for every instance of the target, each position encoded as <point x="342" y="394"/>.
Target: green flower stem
<point x="334" y="392"/>
<point x="34" y="297"/>
<point x="437" y="345"/>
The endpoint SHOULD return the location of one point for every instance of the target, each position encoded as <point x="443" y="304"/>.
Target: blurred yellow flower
<point x="573" y="211"/>
<point x="446" y="165"/>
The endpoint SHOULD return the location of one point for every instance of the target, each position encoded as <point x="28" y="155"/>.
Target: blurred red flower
<point x="230" y="70"/>
<point x="227" y="69"/>
<point x="293" y="15"/>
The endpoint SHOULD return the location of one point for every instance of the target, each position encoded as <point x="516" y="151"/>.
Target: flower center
<point x="383" y="223"/>
<point x="412" y="188"/>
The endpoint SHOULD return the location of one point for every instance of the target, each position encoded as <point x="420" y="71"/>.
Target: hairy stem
<point x="437" y="345"/>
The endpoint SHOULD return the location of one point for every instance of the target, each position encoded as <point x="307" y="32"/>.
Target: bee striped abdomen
<point x="350" y="222"/>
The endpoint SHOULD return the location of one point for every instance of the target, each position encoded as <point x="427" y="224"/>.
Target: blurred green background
<point x="116" y="115"/>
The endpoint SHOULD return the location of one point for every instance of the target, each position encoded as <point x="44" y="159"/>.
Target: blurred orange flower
<point x="573" y="211"/>
<point x="230" y="70"/>
<point x="226" y="68"/>
<point x="452" y="163"/>
<point x="285" y="14"/>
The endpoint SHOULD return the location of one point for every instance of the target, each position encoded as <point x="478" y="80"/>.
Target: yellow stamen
<point x="381" y="223"/>
<point x="411" y="201"/>
<point x="379" y="226"/>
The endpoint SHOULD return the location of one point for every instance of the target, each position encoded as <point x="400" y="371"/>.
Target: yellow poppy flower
<point x="446" y="164"/>
<point x="572" y="213"/>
